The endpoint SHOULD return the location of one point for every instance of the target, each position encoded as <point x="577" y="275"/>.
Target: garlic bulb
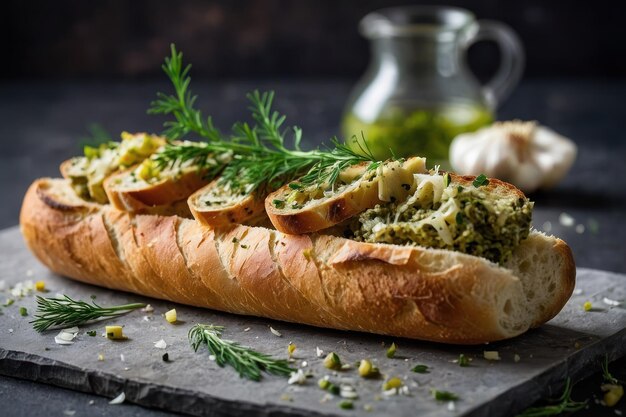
<point x="522" y="153"/>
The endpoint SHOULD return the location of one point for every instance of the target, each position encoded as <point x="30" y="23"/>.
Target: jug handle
<point x="512" y="60"/>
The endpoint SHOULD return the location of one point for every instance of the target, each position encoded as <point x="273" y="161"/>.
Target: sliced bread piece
<point x="217" y="205"/>
<point x="297" y="210"/>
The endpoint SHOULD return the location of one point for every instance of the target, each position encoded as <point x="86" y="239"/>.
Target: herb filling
<point x="479" y="223"/>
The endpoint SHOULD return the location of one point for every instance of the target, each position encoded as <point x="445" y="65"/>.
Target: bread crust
<point x="318" y="280"/>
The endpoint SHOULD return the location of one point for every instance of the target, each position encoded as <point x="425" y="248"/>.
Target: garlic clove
<point x="523" y="153"/>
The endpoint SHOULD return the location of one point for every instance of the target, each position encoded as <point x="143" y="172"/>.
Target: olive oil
<point x="425" y="132"/>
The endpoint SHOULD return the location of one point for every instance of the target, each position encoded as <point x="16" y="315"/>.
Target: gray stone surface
<point x="571" y="344"/>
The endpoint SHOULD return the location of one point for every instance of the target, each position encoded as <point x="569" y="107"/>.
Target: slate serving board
<point x="572" y="344"/>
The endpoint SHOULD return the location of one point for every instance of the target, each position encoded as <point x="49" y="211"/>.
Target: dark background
<point x="282" y="38"/>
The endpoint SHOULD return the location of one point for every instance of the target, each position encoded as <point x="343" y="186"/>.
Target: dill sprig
<point x="246" y="361"/>
<point x="562" y="405"/>
<point x="261" y="157"/>
<point x="66" y="311"/>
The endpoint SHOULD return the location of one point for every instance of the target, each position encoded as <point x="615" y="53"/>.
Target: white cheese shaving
<point x="297" y="377"/>
<point x="66" y="336"/>
<point x="610" y="302"/>
<point x="160" y="344"/>
<point x="118" y="400"/>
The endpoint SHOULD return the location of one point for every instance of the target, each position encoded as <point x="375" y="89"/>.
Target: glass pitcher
<point x="418" y="92"/>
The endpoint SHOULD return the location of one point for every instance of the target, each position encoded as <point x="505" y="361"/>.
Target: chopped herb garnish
<point x="91" y="333"/>
<point x="346" y="405"/>
<point x="459" y="218"/>
<point x="459" y="189"/>
<point x="243" y="246"/>
<point x="420" y="369"/>
<point x="480" y="181"/>
<point x="444" y="395"/>
<point x="295" y="186"/>
<point x="23" y="312"/>
<point x="463" y="360"/>
<point x="9" y="302"/>
<point x="278" y="203"/>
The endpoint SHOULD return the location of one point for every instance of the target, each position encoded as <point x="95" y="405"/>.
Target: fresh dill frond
<point x="65" y="311"/>
<point x="181" y="105"/>
<point x="564" y="404"/>
<point x="246" y="361"/>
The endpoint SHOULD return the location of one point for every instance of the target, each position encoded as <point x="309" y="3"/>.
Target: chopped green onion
<point x="23" y="312"/>
<point x="346" y="405"/>
<point x="444" y="395"/>
<point x="391" y="352"/>
<point x="446" y="179"/>
<point x="91" y="333"/>
<point x="463" y="360"/>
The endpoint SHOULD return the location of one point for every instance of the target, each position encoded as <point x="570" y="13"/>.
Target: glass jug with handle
<point x="418" y="92"/>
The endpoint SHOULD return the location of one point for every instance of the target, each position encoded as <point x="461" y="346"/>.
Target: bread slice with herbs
<point x="87" y="173"/>
<point x="133" y="191"/>
<point x="297" y="209"/>
<point x="218" y="205"/>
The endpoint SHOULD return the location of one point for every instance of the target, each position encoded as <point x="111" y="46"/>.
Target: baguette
<point x="320" y="280"/>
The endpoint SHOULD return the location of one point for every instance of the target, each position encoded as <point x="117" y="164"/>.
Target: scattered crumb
<point x="69" y="412"/>
<point x="148" y="309"/>
<point x="319" y="352"/>
<point x="286" y="397"/>
<point x="547" y="227"/>
<point x="610" y="302"/>
<point x="516" y="358"/>
<point x="580" y="229"/>
<point x="451" y="406"/>
<point x="368" y="407"/>
<point x="91" y="402"/>
<point x="578" y="291"/>
<point x="100" y="357"/>
<point x="247" y="329"/>
<point x="122" y="357"/>
<point x="275" y="332"/>
<point x="160" y="344"/>
<point x="212" y="357"/>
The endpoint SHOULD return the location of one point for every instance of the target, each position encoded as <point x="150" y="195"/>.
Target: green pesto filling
<point x="488" y="226"/>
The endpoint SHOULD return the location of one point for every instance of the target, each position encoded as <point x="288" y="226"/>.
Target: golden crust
<point x="319" y="280"/>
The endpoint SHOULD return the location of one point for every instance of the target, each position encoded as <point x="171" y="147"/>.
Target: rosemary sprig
<point x="261" y="158"/>
<point x="69" y="312"/>
<point x="247" y="362"/>
<point x="181" y="106"/>
<point x="563" y="404"/>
